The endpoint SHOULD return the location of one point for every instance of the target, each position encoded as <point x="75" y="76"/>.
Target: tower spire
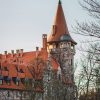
<point x="59" y="26"/>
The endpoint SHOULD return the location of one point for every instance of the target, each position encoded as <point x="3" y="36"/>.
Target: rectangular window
<point x="71" y="61"/>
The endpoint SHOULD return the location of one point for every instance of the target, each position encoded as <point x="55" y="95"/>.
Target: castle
<point x="44" y="74"/>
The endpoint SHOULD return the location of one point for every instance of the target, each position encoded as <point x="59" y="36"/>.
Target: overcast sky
<point x="22" y="22"/>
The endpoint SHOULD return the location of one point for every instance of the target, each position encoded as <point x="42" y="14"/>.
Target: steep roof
<point x="18" y="65"/>
<point x="59" y="27"/>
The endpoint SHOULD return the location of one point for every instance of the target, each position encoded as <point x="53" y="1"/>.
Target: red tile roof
<point x="20" y="66"/>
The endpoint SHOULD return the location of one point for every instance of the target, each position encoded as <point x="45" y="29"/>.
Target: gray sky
<point x="22" y="22"/>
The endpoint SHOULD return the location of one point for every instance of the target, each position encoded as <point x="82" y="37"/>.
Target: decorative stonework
<point x="65" y="56"/>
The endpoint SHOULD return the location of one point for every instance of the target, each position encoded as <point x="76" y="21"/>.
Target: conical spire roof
<point x="59" y="27"/>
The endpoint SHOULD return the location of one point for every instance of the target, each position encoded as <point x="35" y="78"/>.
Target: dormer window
<point x="16" y="80"/>
<point x="7" y="80"/>
<point x="26" y="81"/>
<point x="1" y="79"/>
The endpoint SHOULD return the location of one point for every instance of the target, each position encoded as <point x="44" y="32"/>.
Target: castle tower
<point x="62" y="47"/>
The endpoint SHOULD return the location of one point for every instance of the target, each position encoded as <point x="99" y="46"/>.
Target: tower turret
<point x="61" y="47"/>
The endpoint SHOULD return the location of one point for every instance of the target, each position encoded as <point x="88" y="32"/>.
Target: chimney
<point x="44" y="37"/>
<point x="21" y="52"/>
<point x="12" y="53"/>
<point x="17" y="51"/>
<point x="37" y="48"/>
<point x="5" y="52"/>
<point x="37" y="51"/>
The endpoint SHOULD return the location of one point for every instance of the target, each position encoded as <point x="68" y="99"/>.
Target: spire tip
<point x="59" y="1"/>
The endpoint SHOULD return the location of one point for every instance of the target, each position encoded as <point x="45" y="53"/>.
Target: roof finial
<point x="59" y="1"/>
